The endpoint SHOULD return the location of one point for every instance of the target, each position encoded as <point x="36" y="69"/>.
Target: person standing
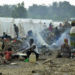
<point x="72" y="38"/>
<point x="57" y="33"/>
<point x="16" y="30"/>
<point x="50" y="27"/>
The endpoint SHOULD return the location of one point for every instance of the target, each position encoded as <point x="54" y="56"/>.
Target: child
<point x="8" y="54"/>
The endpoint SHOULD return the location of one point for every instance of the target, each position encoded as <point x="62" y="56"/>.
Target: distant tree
<point x="36" y="11"/>
<point x="5" y="11"/>
<point x="19" y="11"/>
<point x="55" y="5"/>
<point x="57" y="11"/>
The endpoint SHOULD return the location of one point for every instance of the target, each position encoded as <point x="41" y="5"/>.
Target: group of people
<point x="7" y="54"/>
<point x="56" y="30"/>
<point x="32" y="48"/>
<point x="16" y="30"/>
<point x="66" y="49"/>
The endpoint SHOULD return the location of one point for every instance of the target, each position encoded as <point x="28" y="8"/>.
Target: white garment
<point x="72" y="29"/>
<point x="36" y="49"/>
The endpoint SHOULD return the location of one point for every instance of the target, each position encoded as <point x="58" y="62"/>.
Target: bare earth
<point x="50" y="66"/>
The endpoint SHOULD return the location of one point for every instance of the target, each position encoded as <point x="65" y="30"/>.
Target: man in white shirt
<point x="32" y="49"/>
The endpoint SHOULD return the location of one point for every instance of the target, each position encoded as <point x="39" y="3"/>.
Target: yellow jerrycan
<point x="32" y="58"/>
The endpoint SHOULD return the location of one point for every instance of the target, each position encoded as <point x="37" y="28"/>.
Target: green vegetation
<point x="56" y="11"/>
<point x="19" y="11"/>
<point x="15" y="11"/>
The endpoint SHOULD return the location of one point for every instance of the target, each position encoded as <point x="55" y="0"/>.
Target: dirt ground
<point x="47" y="65"/>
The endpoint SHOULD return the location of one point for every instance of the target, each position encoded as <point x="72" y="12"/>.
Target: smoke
<point x="7" y="26"/>
<point x="41" y="40"/>
<point x="60" y="41"/>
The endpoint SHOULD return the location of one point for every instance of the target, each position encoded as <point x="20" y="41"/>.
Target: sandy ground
<point x="52" y="66"/>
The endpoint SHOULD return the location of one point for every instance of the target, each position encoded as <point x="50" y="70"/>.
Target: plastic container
<point x="32" y="58"/>
<point x="26" y="60"/>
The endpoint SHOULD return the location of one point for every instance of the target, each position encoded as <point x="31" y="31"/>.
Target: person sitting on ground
<point x="8" y="37"/>
<point x="5" y="36"/>
<point x="32" y="49"/>
<point x="8" y="54"/>
<point x="65" y="49"/>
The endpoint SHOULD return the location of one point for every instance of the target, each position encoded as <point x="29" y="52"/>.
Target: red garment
<point x="66" y="40"/>
<point x="6" y="40"/>
<point x="14" y="40"/>
<point x="8" y="55"/>
<point x="50" y="27"/>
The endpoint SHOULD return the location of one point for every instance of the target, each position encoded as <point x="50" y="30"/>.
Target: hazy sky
<point x="31" y="2"/>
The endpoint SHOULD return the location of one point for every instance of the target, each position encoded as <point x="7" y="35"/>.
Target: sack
<point x="0" y="44"/>
<point x="32" y="58"/>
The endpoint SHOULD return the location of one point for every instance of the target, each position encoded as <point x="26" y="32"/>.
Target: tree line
<point x="56" y="11"/>
<point x="15" y="11"/>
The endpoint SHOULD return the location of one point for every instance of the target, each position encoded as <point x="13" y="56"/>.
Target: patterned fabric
<point x="72" y="40"/>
